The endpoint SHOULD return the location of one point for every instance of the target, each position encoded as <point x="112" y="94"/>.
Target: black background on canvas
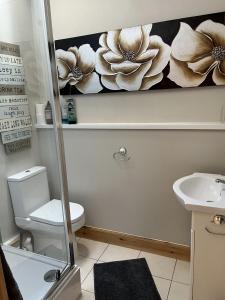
<point x="167" y="30"/>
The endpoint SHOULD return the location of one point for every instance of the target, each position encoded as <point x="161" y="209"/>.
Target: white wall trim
<point x="143" y="126"/>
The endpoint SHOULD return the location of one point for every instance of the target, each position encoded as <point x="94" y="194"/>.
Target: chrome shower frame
<point x="58" y="130"/>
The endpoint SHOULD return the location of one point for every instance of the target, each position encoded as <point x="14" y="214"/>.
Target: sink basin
<point x="201" y="192"/>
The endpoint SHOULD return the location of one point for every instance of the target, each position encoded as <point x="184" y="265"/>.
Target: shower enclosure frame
<point x="40" y="31"/>
<point x="56" y="108"/>
<point x="71" y="268"/>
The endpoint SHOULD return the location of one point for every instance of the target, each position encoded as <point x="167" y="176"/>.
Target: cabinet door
<point x="208" y="259"/>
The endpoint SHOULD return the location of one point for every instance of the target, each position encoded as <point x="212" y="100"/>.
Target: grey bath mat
<point x="124" y="280"/>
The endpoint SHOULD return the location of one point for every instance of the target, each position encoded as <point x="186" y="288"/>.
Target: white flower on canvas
<point x="198" y="53"/>
<point x="131" y="59"/>
<point x="76" y="67"/>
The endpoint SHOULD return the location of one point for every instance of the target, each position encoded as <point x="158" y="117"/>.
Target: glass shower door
<point x="38" y="242"/>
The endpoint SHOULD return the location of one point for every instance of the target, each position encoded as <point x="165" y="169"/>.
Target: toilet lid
<point x="51" y="213"/>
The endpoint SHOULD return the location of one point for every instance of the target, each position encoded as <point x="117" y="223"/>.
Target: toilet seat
<point x="51" y="213"/>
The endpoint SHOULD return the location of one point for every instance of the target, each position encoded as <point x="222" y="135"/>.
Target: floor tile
<point x="100" y="262"/>
<point x="86" y="265"/>
<point x="159" y="266"/>
<point x="182" y="272"/>
<point x="163" y="286"/>
<point x="88" y="283"/>
<point x="87" y="296"/>
<point x="90" y="248"/>
<point x="179" y="291"/>
<point x="115" y="253"/>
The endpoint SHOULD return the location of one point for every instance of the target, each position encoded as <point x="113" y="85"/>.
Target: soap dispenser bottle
<point x="72" y="118"/>
<point x="48" y="113"/>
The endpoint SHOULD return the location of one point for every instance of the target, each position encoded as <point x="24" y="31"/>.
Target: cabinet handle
<point x="223" y="234"/>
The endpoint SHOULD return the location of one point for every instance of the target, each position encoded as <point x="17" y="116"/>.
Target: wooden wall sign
<point x="14" y="111"/>
<point x="15" y="123"/>
<point x="8" y="79"/>
<point x="11" y="60"/>
<point x="15" y="99"/>
<point x="12" y="90"/>
<point x="11" y="70"/>
<point x="15" y="119"/>
<point x="9" y="49"/>
<point x="17" y="146"/>
<point x="15" y="135"/>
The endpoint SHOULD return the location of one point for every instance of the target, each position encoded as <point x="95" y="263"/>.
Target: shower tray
<point x="29" y="270"/>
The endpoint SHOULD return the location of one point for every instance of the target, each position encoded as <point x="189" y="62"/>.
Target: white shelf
<point x="142" y="126"/>
<point x="38" y="126"/>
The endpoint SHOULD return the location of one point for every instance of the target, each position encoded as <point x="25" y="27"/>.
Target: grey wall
<point x="136" y="197"/>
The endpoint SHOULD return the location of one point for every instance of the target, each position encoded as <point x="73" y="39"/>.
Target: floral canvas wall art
<point x="180" y="53"/>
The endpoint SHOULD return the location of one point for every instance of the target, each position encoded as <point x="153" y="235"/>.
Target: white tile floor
<point x="171" y="276"/>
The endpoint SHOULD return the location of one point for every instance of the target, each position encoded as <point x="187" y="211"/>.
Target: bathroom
<point x="115" y="167"/>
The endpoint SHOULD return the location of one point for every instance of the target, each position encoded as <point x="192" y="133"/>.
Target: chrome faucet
<point x="218" y="180"/>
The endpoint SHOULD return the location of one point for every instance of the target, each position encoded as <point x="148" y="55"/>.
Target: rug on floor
<point x="124" y="280"/>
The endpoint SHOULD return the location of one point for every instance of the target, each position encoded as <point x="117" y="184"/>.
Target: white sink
<point x="201" y="192"/>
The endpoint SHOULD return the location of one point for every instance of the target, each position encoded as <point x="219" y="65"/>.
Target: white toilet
<point x="35" y="212"/>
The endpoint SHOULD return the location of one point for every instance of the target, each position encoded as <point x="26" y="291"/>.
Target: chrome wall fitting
<point x="121" y="154"/>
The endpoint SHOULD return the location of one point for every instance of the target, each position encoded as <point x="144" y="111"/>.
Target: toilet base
<point x="54" y="247"/>
<point x="24" y="235"/>
<point x="49" y="240"/>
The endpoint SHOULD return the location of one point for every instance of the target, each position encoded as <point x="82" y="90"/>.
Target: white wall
<point x="74" y="18"/>
<point x="21" y="23"/>
<point x="137" y="197"/>
<point x="16" y="27"/>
